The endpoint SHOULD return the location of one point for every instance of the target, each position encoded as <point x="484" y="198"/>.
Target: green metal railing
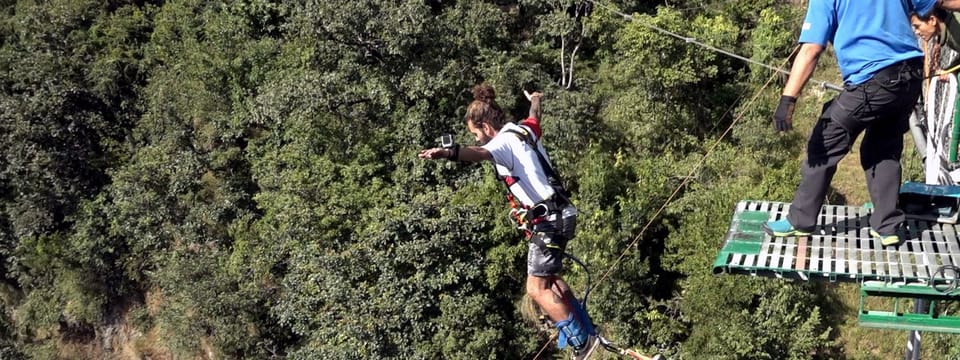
<point x="927" y="320"/>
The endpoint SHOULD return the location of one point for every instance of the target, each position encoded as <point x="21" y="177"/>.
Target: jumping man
<point x="542" y="207"/>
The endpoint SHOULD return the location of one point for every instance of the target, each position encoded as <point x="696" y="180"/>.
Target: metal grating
<point x="840" y="249"/>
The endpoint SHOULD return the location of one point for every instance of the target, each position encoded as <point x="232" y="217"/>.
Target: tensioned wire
<point x="706" y="155"/>
<point x="694" y="41"/>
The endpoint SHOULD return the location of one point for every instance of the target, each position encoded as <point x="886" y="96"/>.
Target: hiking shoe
<point x="886" y="240"/>
<point x="587" y="349"/>
<point x="783" y="227"/>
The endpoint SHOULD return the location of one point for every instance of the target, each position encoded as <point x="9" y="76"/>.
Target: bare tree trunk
<point x="563" y="66"/>
<point x="573" y="55"/>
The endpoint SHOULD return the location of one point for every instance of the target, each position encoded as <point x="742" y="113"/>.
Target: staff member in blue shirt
<point x="881" y="64"/>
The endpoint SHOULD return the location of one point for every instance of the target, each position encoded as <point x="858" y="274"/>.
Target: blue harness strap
<point x="571" y="333"/>
<point x="577" y="328"/>
<point x="581" y="314"/>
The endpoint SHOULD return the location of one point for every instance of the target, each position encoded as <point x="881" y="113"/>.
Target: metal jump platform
<point x="842" y="250"/>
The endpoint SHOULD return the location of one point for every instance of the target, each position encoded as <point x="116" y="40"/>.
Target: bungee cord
<point x="670" y="199"/>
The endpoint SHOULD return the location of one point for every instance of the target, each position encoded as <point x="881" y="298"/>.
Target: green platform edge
<point x="747" y="239"/>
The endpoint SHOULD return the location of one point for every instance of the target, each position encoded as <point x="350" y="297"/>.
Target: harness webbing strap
<point x="524" y="136"/>
<point x="550" y="205"/>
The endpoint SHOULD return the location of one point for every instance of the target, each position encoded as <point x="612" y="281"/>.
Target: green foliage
<point x="667" y="93"/>
<point x="772" y="35"/>
<point x="240" y="178"/>
<point x="733" y="317"/>
<point x="8" y="341"/>
<point x="219" y="307"/>
<point x="738" y="318"/>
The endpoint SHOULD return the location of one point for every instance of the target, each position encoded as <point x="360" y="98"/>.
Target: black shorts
<point x="546" y="246"/>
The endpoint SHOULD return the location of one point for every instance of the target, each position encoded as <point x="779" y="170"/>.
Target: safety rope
<point x="941" y="72"/>
<point x="586" y="289"/>
<point x="604" y="342"/>
<point x="951" y="285"/>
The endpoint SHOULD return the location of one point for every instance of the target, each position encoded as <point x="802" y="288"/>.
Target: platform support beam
<point x="923" y="318"/>
<point x="913" y="339"/>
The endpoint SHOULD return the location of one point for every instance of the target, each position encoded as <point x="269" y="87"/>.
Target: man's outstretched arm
<point x="459" y="153"/>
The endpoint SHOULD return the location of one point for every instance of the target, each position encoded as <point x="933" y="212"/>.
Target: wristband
<point x="454" y="153"/>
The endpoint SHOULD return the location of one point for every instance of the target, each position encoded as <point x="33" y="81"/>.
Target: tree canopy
<point x="238" y="179"/>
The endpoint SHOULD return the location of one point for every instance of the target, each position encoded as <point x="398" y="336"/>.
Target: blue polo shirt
<point x="867" y="35"/>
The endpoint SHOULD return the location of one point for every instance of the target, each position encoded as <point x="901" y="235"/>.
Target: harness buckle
<point x="519" y="216"/>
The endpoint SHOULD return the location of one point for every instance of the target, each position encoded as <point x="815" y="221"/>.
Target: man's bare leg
<point x="540" y="289"/>
<point x="562" y="290"/>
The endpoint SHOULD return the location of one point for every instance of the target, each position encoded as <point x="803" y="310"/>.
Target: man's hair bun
<point x="484" y="92"/>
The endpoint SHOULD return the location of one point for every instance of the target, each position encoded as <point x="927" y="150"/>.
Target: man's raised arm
<point x="534" y="98"/>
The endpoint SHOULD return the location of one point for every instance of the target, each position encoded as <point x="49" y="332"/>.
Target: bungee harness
<point x="556" y="214"/>
<point x="546" y="211"/>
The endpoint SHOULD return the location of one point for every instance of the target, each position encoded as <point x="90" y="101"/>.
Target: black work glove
<point x="783" y="117"/>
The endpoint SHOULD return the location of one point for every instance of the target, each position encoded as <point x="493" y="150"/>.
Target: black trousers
<point x="879" y="108"/>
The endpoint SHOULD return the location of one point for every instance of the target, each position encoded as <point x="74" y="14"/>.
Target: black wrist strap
<point x="454" y="153"/>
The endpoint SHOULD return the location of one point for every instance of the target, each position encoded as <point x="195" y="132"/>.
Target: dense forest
<point x="238" y="179"/>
